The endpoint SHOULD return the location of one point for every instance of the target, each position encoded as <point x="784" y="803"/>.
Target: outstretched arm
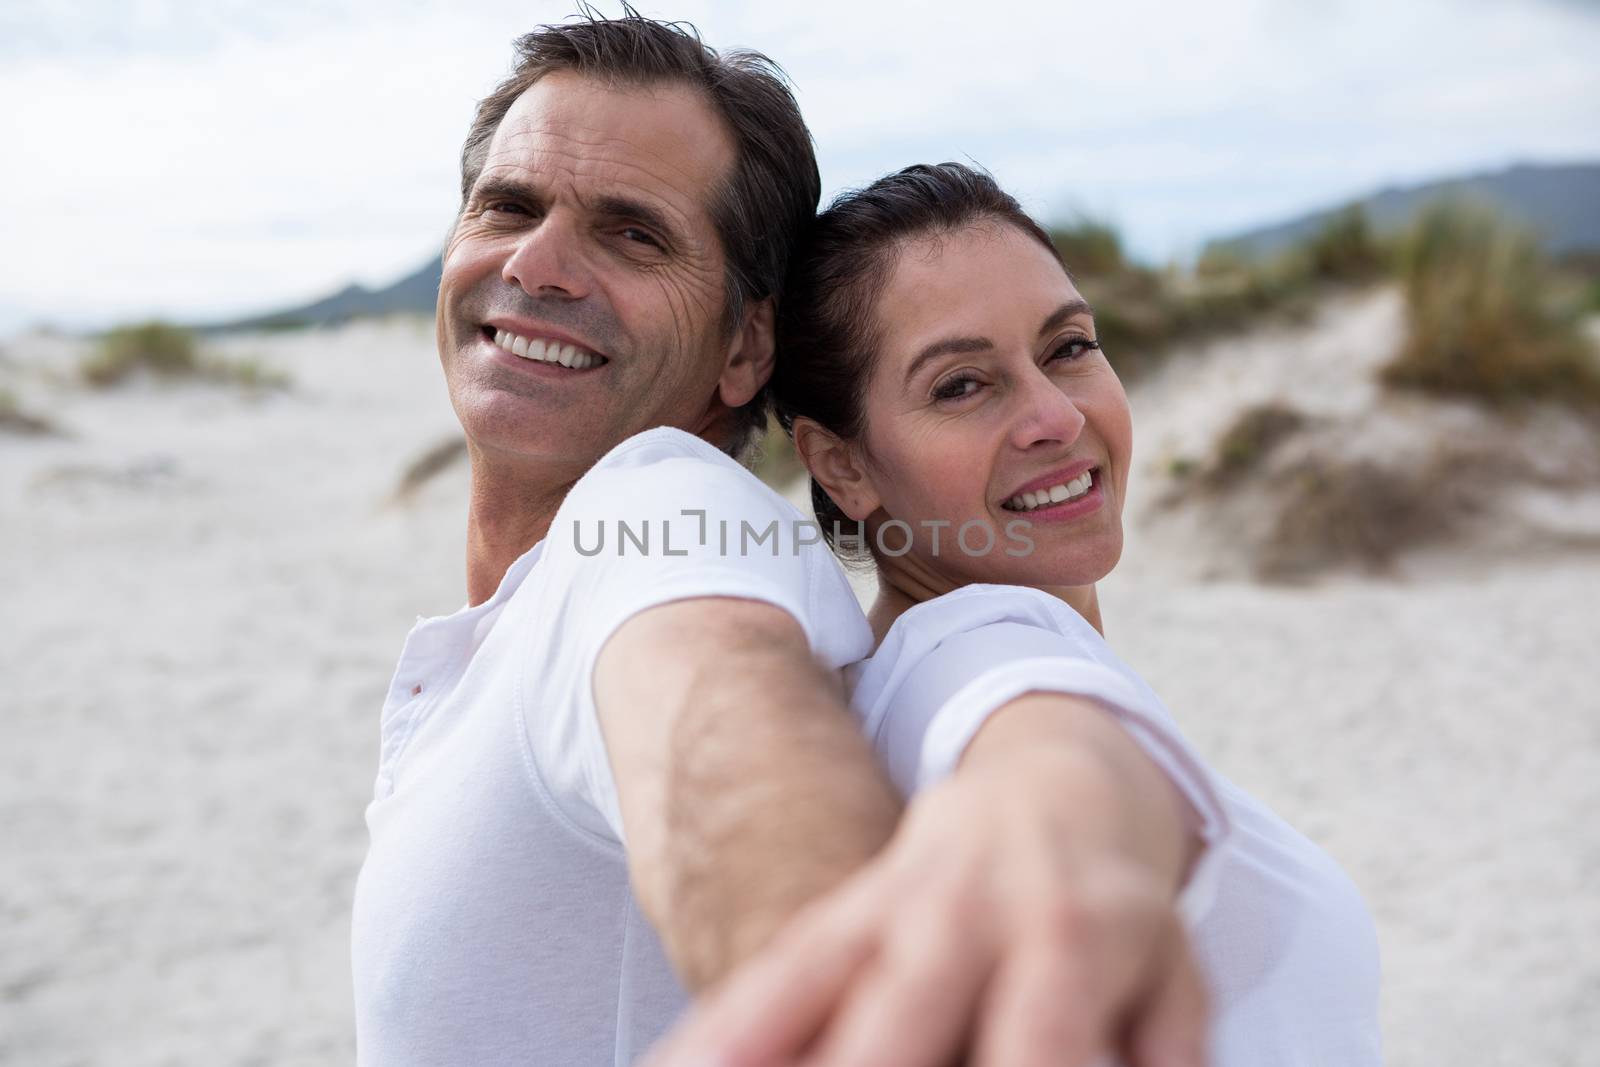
<point x="745" y="785"/>
<point x="1022" y="915"/>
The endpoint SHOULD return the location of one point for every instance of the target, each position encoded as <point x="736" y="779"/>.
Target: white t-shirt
<point x="493" y="919"/>
<point x="1282" y="934"/>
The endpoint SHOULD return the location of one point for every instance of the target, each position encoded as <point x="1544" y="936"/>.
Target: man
<point x="618" y="773"/>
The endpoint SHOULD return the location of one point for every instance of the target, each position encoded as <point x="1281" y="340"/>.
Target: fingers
<point x="1094" y="967"/>
<point x="769" y="1009"/>
<point x="913" y="1005"/>
<point x="1174" y="1027"/>
<point x="1044" y="1010"/>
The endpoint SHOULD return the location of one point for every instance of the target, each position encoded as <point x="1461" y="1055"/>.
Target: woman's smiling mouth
<point x="1069" y="490"/>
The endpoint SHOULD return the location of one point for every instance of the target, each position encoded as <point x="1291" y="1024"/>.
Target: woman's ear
<point x="836" y="467"/>
<point x="749" y="360"/>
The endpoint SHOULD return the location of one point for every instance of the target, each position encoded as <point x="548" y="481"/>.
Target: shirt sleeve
<point x="933" y="707"/>
<point x="666" y="520"/>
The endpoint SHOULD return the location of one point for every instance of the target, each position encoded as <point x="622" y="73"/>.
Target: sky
<point x="198" y="159"/>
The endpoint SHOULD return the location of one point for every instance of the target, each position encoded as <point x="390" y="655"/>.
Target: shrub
<point x="158" y="347"/>
<point x="1250" y="438"/>
<point x="429" y="464"/>
<point x="17" y="420"/>
<point x="1345" y="250"/>
<point x="1091" y="247"/>
<point x="170" y="352"/>
<point x="1480" y="319"/>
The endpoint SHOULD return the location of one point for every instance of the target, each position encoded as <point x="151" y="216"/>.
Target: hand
<point x="1001" y="923"/>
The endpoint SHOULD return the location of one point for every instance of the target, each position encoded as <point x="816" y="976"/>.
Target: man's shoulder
<point x="664" y="471"/>
<point x="662" y="443"/>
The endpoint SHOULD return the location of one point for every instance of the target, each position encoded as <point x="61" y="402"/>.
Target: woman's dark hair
<point x="827" y="336"/>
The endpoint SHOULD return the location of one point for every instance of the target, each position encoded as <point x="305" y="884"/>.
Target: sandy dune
<point x="204" y="592"/>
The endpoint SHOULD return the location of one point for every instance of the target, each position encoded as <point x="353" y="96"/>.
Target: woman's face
<point x="990" y="408"/>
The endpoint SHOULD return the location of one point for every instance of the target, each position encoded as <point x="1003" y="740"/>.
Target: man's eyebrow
<point x="504" y="189"/>
<point x="623" y="207"/>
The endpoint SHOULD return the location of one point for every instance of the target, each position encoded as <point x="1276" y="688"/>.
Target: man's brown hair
<point x="770" y="197"/>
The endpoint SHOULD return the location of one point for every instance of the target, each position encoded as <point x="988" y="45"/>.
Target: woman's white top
<point x="1281" y="933"/>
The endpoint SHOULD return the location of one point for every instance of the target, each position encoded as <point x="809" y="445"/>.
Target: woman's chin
<point x="1054" y="569"/>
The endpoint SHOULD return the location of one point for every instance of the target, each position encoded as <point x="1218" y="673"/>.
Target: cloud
<point x="201" y="159"/>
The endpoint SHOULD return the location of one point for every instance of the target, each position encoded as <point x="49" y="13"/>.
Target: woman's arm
<point x="1024" y="913"/>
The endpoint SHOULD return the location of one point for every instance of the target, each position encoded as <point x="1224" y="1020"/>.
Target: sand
<point x="205" y="590"/>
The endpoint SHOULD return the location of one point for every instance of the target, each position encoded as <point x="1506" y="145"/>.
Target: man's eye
<point x="644" y="237"/>
<point x="504" y="207"/>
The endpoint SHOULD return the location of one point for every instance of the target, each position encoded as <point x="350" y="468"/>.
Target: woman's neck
<point x="900" y="589"/>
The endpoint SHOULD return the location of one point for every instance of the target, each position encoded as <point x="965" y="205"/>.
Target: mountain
<point x="416" y="292"/>
<point x="1561" y="203"/>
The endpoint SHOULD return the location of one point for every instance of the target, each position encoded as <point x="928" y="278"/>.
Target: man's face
<point x="588" y="241"/>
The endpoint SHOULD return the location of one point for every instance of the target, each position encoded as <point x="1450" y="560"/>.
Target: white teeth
<point x="546" y="351"/>
<point x="1053" y="495"/>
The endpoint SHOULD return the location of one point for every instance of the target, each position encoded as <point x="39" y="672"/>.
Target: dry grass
<point x="1483" y="320"/>
<point x="1334" y="514"/>
<point x="17" y="420"/>
<point x="1249" y="440"/>
<point x="169" y="353"/>
<point x="428" y="465"/>
<point x="1141" y="312"/>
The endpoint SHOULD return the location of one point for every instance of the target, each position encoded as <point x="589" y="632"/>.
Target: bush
<point x="15" y="419"/>
<point x="1480" y="319"/>
<point x="1345" y="250"/>
<point x="170" y="352"/>
<point x="1090" y="247"/>
<point x="1334" y="514"/>
<point x="157" y="347"/>
<point x="1250" y="439"/>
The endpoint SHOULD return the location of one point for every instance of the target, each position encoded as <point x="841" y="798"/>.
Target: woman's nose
<point x="547" y="260"/>
<point x="1047" y="415"/>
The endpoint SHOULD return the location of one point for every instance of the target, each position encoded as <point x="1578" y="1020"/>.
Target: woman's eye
<point x="1073" y="348"/>
<point x="955" y="388"/>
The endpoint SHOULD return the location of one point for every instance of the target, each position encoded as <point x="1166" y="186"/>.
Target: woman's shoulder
<point x="972" y="630"/>
<point x="975" y="606"/>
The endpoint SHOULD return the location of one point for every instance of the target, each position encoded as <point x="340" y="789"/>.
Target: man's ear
<point x="749" y="361"/>
<point x="837" y="468"/>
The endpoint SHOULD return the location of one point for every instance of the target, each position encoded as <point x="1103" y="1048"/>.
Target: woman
<point x="940" y="375"/>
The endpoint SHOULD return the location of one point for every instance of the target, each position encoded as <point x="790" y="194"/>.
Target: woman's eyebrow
<point x="945" y="346"/>
<point x="1065" y="312"/>
<point x="965" y="345"/>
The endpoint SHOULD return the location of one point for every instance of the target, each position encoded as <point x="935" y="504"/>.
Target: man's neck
<point x="509" y="512"/>
<point x="513" y="504"/>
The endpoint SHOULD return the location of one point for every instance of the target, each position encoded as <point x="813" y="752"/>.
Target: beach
<point x="206" y="588"/>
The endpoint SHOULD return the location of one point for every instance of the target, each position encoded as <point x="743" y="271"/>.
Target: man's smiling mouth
<point x="543" y="351"/>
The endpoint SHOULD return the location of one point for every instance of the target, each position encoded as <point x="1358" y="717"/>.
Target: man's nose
<point x="548" y="260"/>
<point x="1048" y="414"/>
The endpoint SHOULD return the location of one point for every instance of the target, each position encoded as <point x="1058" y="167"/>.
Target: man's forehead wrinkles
<point x="607" y="142"/>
